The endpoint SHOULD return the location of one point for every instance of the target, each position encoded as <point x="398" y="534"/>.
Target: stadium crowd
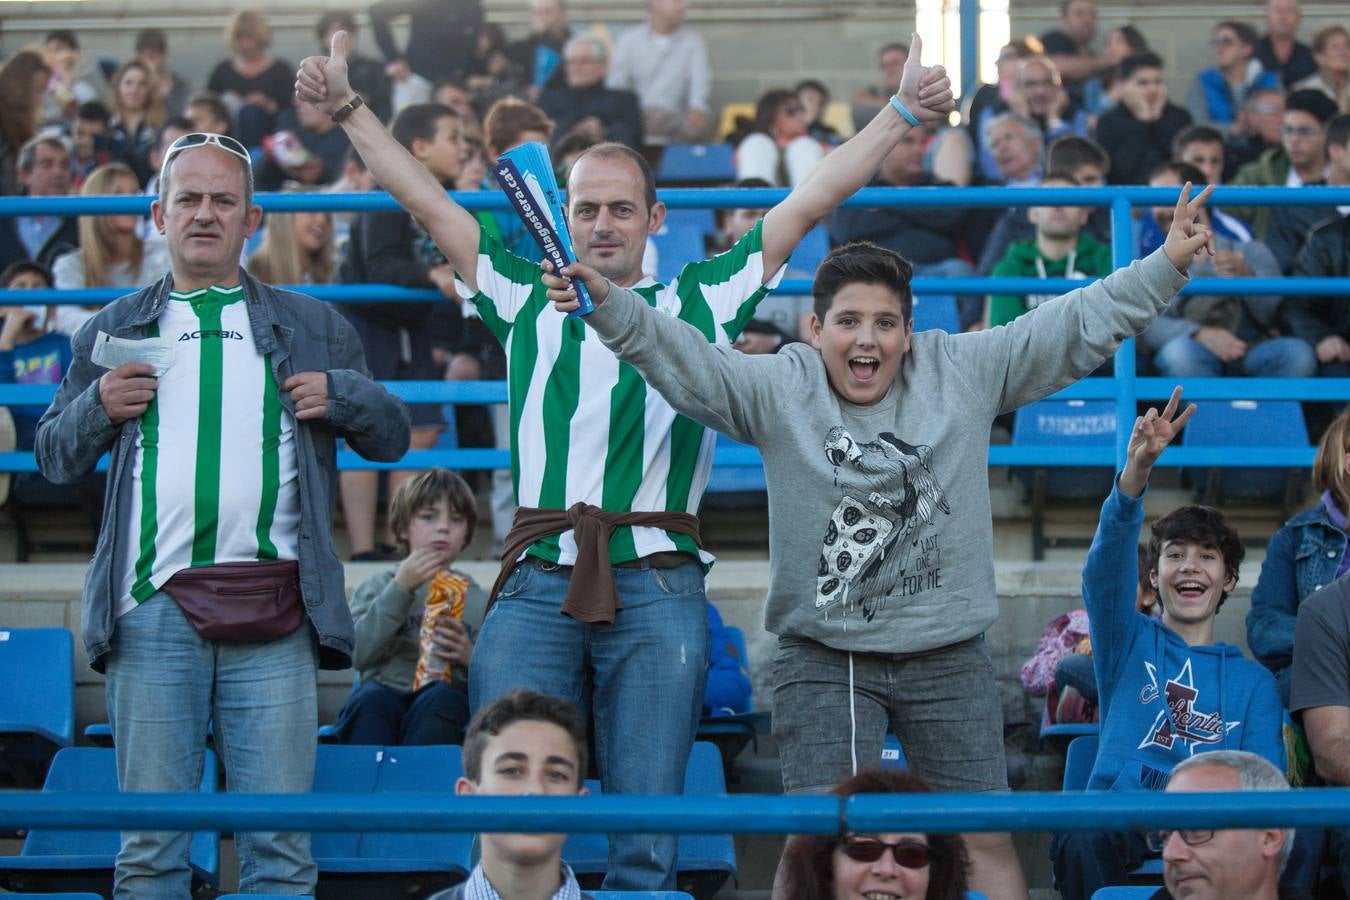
<point x="611" y="433"/>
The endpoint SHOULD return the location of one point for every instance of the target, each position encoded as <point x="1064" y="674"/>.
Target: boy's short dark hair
<point x="812" y="84"/>
<point x="93" y="111"/>
<point x="1066" y="154"/>
<point x="153" y="40"/>
<point x="1203" y="525"/>
<point x="335" y="18"/>
<point x="63" y="36"/>
<point x="1314" y="103"/>
<point x="1195" y="134"/>
<point x="522" y="706"/>
<point x="418" y="122"/>
<point x="24" y="267"/>
<point x="862" y="262"/>
<point x="1136" y="61"/>
<point x="426" y="489"/>
<point x="211" y="100"/>
<point x="1245" y="33"/>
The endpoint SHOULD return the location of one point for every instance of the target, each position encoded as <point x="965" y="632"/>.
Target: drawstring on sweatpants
<point x="852" y="716"/>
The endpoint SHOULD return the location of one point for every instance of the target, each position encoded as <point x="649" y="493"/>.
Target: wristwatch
<point x="347" y="109"/>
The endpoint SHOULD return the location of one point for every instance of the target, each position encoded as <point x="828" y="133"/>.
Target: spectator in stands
<point x="778" y="148"/>
<point x="1061" y="248"/>
<point x="456" y="96"/>
<point x="45" y="170"/>
<point x="583" y="102"/>
<point x="1300" y="159"/>
<point x="252" y="83"/>
<point x="989" y="99"/>
<point x="1227" y="863"/>
<point x="666" y="64"/>
<point x="110" y="253"/>
<point x="415" y="623"/>
<point x="853" y="866"/>
<point x="492" y="75"/>
<point x="1305" y="555"/>
<point x="1291" y="225"/>
<point x="1202" y="147"/>
<point x="1324" y="322"/>
<point x="29" y="354"/>
<point x="1070" y="45"/>
<point x="68" y="87"/>
<point x="152" y="51"/>
<point x="523" y="743"/>
<point x="1279" y="49"/>
<point x="297" y="248"/>
<point x="1037" y="92"/>
<point x="862" y="333"/>
<point x="612" y="210"/>
<point x="1331" y="49"/>
<point x="1256" y="131"/>
<point x="442" y="35"/>
<point x="367" y="74"/>
<point x="394" y="248"/>
<point x="1166" y="689"/>
<point x="172" y="663"/>
<point x="870" y="100"/>
<point x="1101" y="92"/>
<point x="1217" y="93"/>
<point x="133" y="97"/>
<point x="1015" y="143"/>
<point x="356" y="178"/>
<point x="932" y="238"/>
<point x="208" y="114"/>
<point x="814" y="97"/>
<point x="1138" y="132"/>
<point x="540" y="56"/>
<point x="91" y="144"/>
<point x="308" y="148"/>
<point x="1208" y="336"/>
<point x="23" y="84"/>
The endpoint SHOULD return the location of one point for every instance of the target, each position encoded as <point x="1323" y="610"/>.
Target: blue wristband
<point x="904" y="113"/>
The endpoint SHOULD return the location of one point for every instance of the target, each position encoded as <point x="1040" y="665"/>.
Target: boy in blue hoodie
<point x="1167" y="691"/>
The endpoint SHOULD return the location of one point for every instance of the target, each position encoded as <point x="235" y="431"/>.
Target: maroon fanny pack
<point x="240" y="601"/>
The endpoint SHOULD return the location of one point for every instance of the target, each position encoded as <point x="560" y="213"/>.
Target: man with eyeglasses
<point x="1225" y="863"/>
<point x="214" y="592"/>
<point x="1300" y="159"/>
<point x="584" y="105"/>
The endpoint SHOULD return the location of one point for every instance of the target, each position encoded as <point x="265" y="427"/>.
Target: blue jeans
<point x="643" y="676"/>
<point x="1282" y="357"/>
<point x="380" y="715"/>
<point x="165" y="684"/>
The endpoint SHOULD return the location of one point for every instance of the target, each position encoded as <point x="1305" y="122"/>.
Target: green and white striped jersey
<point x="585" y="427"/>
<point x="214" y="478"/>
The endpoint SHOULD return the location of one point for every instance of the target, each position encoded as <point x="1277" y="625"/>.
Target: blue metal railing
<point x="1124" y="387"/>
<point x="742" y="813"/>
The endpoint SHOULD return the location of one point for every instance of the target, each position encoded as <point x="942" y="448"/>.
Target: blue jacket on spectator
<point x="1302" y="558"/>
<point x="728" y="688"/>
<point x="301" y="334"/>
<point x="1211" y="98"/>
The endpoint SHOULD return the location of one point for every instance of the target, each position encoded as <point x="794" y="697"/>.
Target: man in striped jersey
<point x="214" y="591"/>
<point x="607" y="475"/>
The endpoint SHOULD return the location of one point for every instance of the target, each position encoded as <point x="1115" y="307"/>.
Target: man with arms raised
<point x="607" y="474"/>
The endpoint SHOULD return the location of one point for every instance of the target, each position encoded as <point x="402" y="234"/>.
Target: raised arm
<point x="925" y="91"/>
<point x="322" y="82"/>
<point x="1152" y="433"/>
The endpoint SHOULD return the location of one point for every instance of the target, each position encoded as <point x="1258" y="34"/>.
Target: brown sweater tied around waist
<point x="592" y="596"/>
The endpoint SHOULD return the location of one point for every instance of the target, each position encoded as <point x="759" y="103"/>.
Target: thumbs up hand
<point x="926" y="91"/>
<point x="322" y="81"/>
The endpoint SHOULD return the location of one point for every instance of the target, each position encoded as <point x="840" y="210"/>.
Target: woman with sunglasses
<point x="778" y="147"/>
<point x="907" y="865"/>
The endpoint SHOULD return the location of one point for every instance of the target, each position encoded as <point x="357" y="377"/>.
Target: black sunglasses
<point x="909" y="854"/>
<point x="1191" y="837"/>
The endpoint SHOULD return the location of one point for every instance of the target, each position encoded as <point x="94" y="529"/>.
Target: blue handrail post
<point x="1122" y="254"/>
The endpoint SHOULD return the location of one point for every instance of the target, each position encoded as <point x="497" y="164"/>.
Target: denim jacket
<point x="302" y="335"/>
<point x="1302" y="558"/>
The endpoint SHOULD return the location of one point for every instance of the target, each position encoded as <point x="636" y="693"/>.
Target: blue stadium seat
<point x="375" y="864"/>
<point x="701" y="220"/>
<point x="1063" y="423"/>
<point x="37" y="704"/>
<point x="706" y="861"/>
<point x="1067" y="732"/>
<point x="892" y="754"/>
<point x="1078" y="762"/>
<point x="733" y="732"/>
<point x="804" y="261"/>
<point x="84" y="860"/>
<point x="696" y="164"/>
<point x="1131" y="892"/>
<point x="936" y="311"/>
<point x="676" y="245"/>
<point x="1245" y="423"/>
<point x="736" y="486"/>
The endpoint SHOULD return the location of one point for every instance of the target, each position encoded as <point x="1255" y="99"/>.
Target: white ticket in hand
<point x="111" y="352"/>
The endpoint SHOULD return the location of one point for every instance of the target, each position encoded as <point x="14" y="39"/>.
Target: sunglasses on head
<point x="202" y="139"/>
<point x="866" y="849"/>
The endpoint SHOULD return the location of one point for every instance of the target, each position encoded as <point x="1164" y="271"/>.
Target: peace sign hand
<point x="1151" y="436"/>
<point x="1188" y="235"/>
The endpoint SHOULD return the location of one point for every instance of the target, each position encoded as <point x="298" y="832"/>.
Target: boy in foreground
<point x="523" y="743"/>
<point x="875" y="446"/>
<point x="1167" y="691"/>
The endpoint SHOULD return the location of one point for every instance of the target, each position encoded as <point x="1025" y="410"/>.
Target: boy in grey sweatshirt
<point x="875" y="447"/>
